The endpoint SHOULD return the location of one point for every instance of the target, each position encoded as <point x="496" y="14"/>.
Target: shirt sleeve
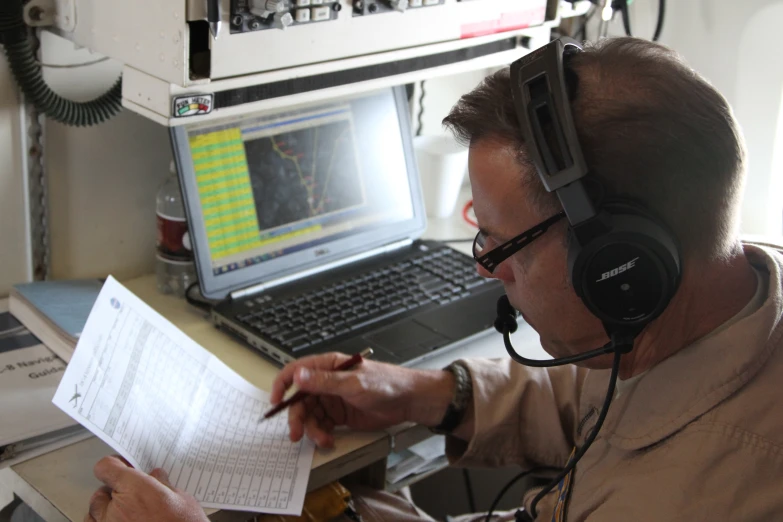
<point x="523" y="416"/>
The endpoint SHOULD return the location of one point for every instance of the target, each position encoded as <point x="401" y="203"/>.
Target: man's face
<point x="535" y="278"/>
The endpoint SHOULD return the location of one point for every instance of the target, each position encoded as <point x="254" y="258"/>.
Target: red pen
<point x="300" y="395"/>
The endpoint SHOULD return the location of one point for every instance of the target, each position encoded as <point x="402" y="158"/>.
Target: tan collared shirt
<point x="699" y="437"/>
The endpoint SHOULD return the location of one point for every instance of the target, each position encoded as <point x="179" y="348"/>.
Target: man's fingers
<point x="123" y="460"/>
<point x="328" y="425"/>
<point x="285" y="378"/>
<point x="316" y="434"/>
<point x="325" y="382"/>
<point x="296" y="419"/>
<point x="111" y="471"/>
<point x="334" y="408"/>
<point x="162" y="477"/>
<point x="99" y="503"/>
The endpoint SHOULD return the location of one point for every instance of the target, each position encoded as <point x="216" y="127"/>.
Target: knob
<point x="276" y="6"/>
<point x="399" y="5"/>
<point x="282" y="21"/>
<point x="264" y="8"/>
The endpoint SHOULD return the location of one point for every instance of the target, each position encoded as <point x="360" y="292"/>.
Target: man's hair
<point x="651" y="129"/>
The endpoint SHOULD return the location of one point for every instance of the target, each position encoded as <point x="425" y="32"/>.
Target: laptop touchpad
<point x="407" y="337"/>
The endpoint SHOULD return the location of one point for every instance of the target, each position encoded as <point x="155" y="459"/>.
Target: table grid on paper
<point x="171" y="411"/>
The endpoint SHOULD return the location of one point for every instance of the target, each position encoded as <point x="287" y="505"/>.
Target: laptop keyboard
<point x="439" y="276"/>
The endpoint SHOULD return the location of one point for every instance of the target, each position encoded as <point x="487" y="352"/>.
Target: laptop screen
<point x="271" y="193"/>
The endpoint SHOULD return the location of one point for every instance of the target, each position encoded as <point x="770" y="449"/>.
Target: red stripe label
<point x="506" y="22"/>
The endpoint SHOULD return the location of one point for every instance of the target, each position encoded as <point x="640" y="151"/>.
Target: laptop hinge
<point x="261" y="287"/>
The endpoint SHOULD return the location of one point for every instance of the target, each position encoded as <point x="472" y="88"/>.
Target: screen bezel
<point x="219" y="286"/>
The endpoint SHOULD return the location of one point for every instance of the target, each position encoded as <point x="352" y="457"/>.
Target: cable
<point x="535" y="363"/>
<point x="420" y="117"/>
<point x="627" y="18"/>
<point x="590" y="438"/>
<point x="601" y="24"/>
<point x="27" y="71"/>
<point x="583" y="28"/>
<point x="204" y="305"/>
<point x="620" y="344"/>
<point x="469" y="489"/>
<point x="510" y="483"/>
<point x="72" y="65"/>
<point x="659" y="24"/>
<point x="466" y="217"/>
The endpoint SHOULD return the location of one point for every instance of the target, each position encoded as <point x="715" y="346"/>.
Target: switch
<point x="319" y="14"/>
<point x="302" y="3"/>
<point x="303" y="15"/>
<point x="317" y="2"/>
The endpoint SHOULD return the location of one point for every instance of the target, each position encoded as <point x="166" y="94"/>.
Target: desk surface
<point x="59" y="484"/>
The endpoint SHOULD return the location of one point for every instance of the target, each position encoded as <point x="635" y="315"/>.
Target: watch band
<point x="463" y="394"/>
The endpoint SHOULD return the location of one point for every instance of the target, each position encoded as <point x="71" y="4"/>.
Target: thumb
<point x="322" y="382"/>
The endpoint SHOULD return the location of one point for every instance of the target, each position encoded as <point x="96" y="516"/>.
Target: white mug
<point x="442" y="165"/>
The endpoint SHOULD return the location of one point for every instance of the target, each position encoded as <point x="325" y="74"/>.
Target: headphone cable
<point x="619" y="344"/>
<point x="590" y="438"/>
<point x="510" y="483"/>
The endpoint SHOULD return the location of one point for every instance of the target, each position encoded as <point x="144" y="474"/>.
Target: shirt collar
<point x="696" y="379"/>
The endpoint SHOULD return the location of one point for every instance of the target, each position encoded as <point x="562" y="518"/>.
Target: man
<point x="693" y="432"/>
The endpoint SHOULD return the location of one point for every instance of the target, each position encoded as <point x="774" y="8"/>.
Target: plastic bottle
<point x="174" y="265"/>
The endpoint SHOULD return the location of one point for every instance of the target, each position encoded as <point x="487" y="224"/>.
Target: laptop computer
<point x="306" y="222"/>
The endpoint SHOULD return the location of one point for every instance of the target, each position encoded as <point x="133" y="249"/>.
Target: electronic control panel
<point x="181" y="63"/>
<point x="175" y="40"/>
<point x="258" y="15"/>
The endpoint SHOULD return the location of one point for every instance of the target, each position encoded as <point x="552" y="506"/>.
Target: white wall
<point x="440" y="94"/>
<point x="734" y="45"/>
<point x="102" y="179"/>
<point x="14" y="259"/>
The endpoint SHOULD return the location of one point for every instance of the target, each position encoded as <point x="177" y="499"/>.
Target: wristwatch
<point x="463" y="394"/>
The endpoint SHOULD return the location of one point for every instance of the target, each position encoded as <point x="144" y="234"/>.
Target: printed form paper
<point x="163" y="401"/>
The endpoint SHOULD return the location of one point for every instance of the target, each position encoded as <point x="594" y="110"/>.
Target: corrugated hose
<point x="27" y="72"/>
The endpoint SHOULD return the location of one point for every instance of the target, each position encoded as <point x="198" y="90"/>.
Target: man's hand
<point x="372" y="396"/>
<point x="132" y="496"/>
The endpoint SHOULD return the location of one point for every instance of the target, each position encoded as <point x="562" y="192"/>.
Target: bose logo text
<point x="619" y="270"/>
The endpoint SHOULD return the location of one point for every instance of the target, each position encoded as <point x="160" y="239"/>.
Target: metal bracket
<point x="37" y="186"/>
<point x="44" y="13"/>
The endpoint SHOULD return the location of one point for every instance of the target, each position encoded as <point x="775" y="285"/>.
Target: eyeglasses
<point x="489" y="259"/>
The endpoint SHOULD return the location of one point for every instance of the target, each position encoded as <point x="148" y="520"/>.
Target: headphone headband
<point x="623" y="263"/>
<point x="543" y="109"/>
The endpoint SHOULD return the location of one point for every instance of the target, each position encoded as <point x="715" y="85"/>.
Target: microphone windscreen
<point x="506" y="320"/>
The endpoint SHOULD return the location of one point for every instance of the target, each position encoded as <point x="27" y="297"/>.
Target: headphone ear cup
<point x="627" y="276"/>
<point x="506" y="320"/>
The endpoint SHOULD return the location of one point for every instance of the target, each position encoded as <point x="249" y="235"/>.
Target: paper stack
<point x="29" y="375"/>
<point x="428" y="455"/>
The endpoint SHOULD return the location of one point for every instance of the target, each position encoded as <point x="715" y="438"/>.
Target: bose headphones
<point x="623" y="262"/>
